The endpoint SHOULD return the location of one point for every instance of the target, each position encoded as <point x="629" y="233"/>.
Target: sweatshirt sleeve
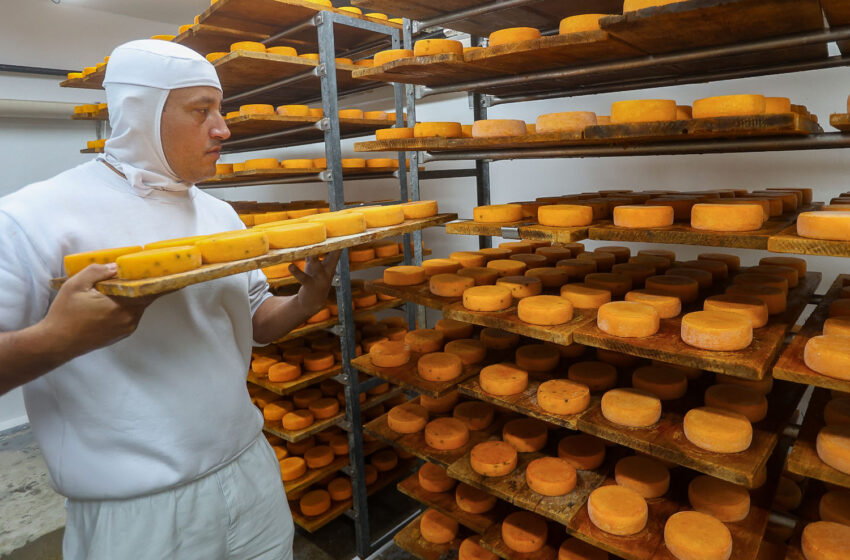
<point x="258" y="289"/>
<point x="25" y="293"/>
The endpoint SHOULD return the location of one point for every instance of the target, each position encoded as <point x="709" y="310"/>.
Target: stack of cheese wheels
<point x="524" y="532"/>
<point x="634" y="408"/>
<point x="617" y="510"/>
<point x="645" y="475"/>
<point x="829" y="355"/>
<point x="722" y="500"/>
<point x="833" y="446"/>
<point x="717" y="330"/>
<point x="727" y="217"/>
<point x="691" y="535"/>
<point x="825" y="540"/>
<point x="628" y="319"/>
<point x="718" y="430"/>
<point x="493" y="458"/>
<point x="437" y="528"/>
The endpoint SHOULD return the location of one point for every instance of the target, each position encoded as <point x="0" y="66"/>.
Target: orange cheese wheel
<point x="561" y="396"/>
<point x="837" y="411"/>
<point x="833" y="447"/>
<point x="737" y="398"/>
<point x="565" y="215"/>
<point x="446" y="434"/>
<point x="718" y="430"/>
<point x="631" y="407"/>
<point x="727" y="217"/>
<point x="487" y="298"/>
<point x="752" y="308"/>
<point x="550" y="476"/>
<point x="424" y="341"/>
<point x="825" y="224"/>
<point x="273" y="412"/>
<point x="667" y="306"/>
<point x="473" y="500"/>
<point x="775" y="298"/>
<point x="574" y="549"/>
<point x="480" y="275"/>
<point x="437" y="528"/>
<point x="339" y="489"/>
<point x="637" y="272"/>
<point x="691" y="535"/>
<point x="728" y="106"/>
<point x="439" y="366"/>
<point x="835" y="506"/>
<point x="318" y="361"/>
<point x="263" y="364"/>
<point x="513" y="35"/>
<point x="681" y="206"/>
<point x="628" y="319"/>
<point x="449" y="285"/>
<point x="297" y="420"/>
<point x="393" y="133"/>
<point x="524" y="532"/>
<point x="407" y="418"/>
<point x="703" y="277"/>
<point x="493" y="458"/>
<point x="469" y="350"/>
<point x="292" y="468"/>
<point x="570" y="121"/>
<point x="404" y="275"/>
<point x="384" y="461"/>
<point x="763" y="386"/>
<point x="453" y="330"/>
<point x="537" y="357"/>
<point x="583" y="297"/>
<point x="282" y="372"/>
<point x="526" y="435"/>
<point x="440" y="266"/>
<point x="617" y="510"/>
<point x="476" y="415"/>
<point x="324" y="408"/>
<point x="383" y="57"/>
<point x="645" y="475"/>
<point x="427" y="47"/>
<point x="582" y="451"/>
<point x="389" y="353"/>
<point x="471" y="550"/>
<point x="370" y="473"/>
<point x="643" y="216"/>
<point x="494" y="253"/>
<point x="497" y="213"/>
<point x="683" y="287"/>
<point x="722" y="500"/>
<point x="319" y="456"/>
<point x="433" y="478"/>
<point x="439" y="405"/>
<point x="666" y="383"/>
<point x="550" y="277"/>
<point x="788" y="495"/>
<point x="520" y="286"/>
<point x="597" y="376"/>
<point x="304" y="397"/>
<point x="339" y="445"/>
<point x="579" y="267"/>
<point x="497" y="339"/>
<point x="419" y="209"/>
<point x="315" y="502"/>
<point x="643" y="110"/>
<point x="718" y="269"/>
<point x="544" y="310"/>
<point x="507" y="267"/>
<point x="498" y="128"/>
<point x="762" y="280"/>
<point x="301" y="447"/>
<point x="503" y="379"/>
<point x="839" y="308"/>
<point x="717" y="330"/>
<point x="825" y="540"/>
<point x="789" y="273"/>
<point x="617" y="284"/>
<point x="468" y="259"/>
<point x="437" y="130"/>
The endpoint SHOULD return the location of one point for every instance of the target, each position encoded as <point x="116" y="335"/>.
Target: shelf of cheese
<point x="275" y="283"/>
<point x="791" y="365"/>
<point x="407" y="376"/>
<point x="150" y="286"/>
<point x="419" y="294"/>
<point x="308" y="174"/>
<point x="295" y="487"/>
<point x="321" y="325"/>
<point x="787" y="241"/>
<point x="841" y="121"/>
<point x="410" y="540"/>
<point x="304" y="380"/>
<point x="803" y="459"/>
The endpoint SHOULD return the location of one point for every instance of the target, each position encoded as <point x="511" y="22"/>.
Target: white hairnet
<point x="139" y="77"/>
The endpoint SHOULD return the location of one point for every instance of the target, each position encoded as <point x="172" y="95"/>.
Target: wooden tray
<point x="841" y="121"/>
<point x="410" y="540"/>
<point x="465" y="144"/>
<point x="791" y="365"/>
<point x="432" y="70"/>
<point x="91" y="151"/>
<point x="507" y="320"/>
<point x="407" y="376"/>
<point x="253" y="125"/>
<point x="92" y="81"/>
<point x="295" y="436"/>
<point x="787" y="241"/>
<point x="526" y="229"/>
<point x="419" y="294"/>
<point x="100" y="115"/>
<point x="492" y="541"/>
<point x="294" y="487"/>
<point x="308" y="328"/>
<point x="305" y="380"/>
<point x="205" y="38"/>
<point x="445" y="503"/>
<point x="310" y="174"/>
<point x="150" y="286"/>
<point x="804" y="459"/>
<point x="667" y="345"/>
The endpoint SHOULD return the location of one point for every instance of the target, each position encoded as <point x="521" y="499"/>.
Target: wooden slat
<point x="101" y="115"/>
<point x="252" y="125"/>
<point x="150" y="286"/>
<point x="420" y="294"/>
<point x="308" y="174"/>
<point x="526" y="229"/>
<point x="837" y="14"/>
<point x="301" y="331"/>
<point x="791" y="366"/>
<point x="445" y="503"/>
<point x="205" y="38"/>
<point x="305" y="380"/>
<point x="667" y="345"/>
<point x="295" y="436"/>
<point x="492" y="541"/>
<point x="92" y="81"/>
<point x="787" y="241"/>
<point x="407" y="376"/>
<point x="275" y="283"/>
<point x="433" y="70"/>
<point x="294" y="487"/>
<point x="464" y="144"/>
<point x="841" y="121"/>
<point x="410" y="540"/>
<point x="804" y="459"/>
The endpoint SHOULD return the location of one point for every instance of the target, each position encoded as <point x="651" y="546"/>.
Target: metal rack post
<point x="482" y="167"/>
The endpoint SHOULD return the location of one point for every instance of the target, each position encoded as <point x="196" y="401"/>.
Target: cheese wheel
<point x="274" y="411"/>
<point x="550" y="476"/>
<point x="361" y="254"/>
<point x="424" y="341"/>
<point x="664" y="382"/>
<point x="728" y="106"/>
<point x="526" y="435"/>
<point x="628" y="319"/>
<point x="681" y="206"/>
<point x="433" y="478"/>
<point x="703" y="277"/>
<point x="252" y="46"/>
<point x="446" y="434"/>
<point x="565" y="215"/>
<point x="544" y="310"/>
<point x="617" y="510"/>
<point x="468" y="259"/>
<point x="597" y="376"/>
<point x="319" y="456"/>
<point x="824" y="540"/>
<point x="480" y="276"/>
<point x="717" y="269"/>
<point x="537" y="357"/>
<point x="304" y="397"/>
<point x="524" y="532"/>
<point x="737" y="398"/>
<point x="338" y="225"/>
<point x="407" y="418"/>
<point x="684" y="288"/>
<point x="722" y="500"/>
<point x="295" y="235"/>
<point x="554" y="254"/>
<point x="337" y="443"/>
<point x="645" y="475"/>
<point x="512" y="35"/>
<point x="449" y="285"/>
<point x="318" y="361"/>
<point x="497" y="339"/>
<point x="282" y="372"/>
<point x="777" y="105"/>
<point x="786" y="272"/>
<point x="323" y="409"/>
<point x="564" y="397"/>
<point x="763" y="386"/>
<point x="440" y="266"/>
<point x="405" y="275"/>
<point x="517" y="247"/>
<point x="839" y="308"/>
<point x="643" y="110"/>
<point x="574" y="549"/>
<point x="439" y="366"/>
<point x="496" y="213"/>
<point x="292" y="468"/>
<point x="717" y="330"/>
<point x="158" y="262"/>
<point x="643" y="216"/>
<point x="835" y="506"/>
<point x="487" y="298"/>
<point x="634" y="408"/>
<point x="832" y="225"/>
<point x="617" y="284"/>
<point x="775" y="298"/>
<point x="750" y="307"/>
<point x="471" y="499"/>
<point x="428" y="47"/>
<point x="261" y="163"/>
<point x="441" y="404"/>
<point x="384" y="460"/>
<point x="788" y="495"/>
<point x="384" y="57"/>
<point x="339" y="489"/>
<point x="797" y="264"/>
<point x="494" y="253"/>
<point x="691" y="535"/>
<point x="582" y="451"/>
<point x="476" y="415"/>
<point x="621" y="254"/>
<point x="470" y="351"/>
<point x="382" y="216"/>
<point x="727" y="217"/>
<point x="419" y="209"/>
<point x="666" y="306"/>
<point x="571" y="121"/>
<point x="470" y="550"/>
<point x="498" y="128"/>
<point x="583" y="297"/>
<point x="436" y="527"/>
<point x="453" y="330"/>
<point x="76" y="262"/>
<point x="833" y="447"/>
<point x="718" y="430"/>
<point x="297" y="420"/>
<point x="837" y="411"/>
<point x="393" y="133"/>
<point x="520" y="286"/>
<point x="503" y="379"/>
<point x="437" y="130"/>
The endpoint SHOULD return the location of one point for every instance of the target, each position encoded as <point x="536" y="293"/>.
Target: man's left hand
<point x="315" y="281"/>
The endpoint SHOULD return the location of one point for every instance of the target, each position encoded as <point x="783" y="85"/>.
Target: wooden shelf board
<point x="91" y="151"/>
<point x="527" y="230"/>
<point x="787" y="241"/>
<point x="149" y="286"/>
<point x="410" y="540"/>
<point x="92" y="81"/>
<point x="837" y="14"/>
<point x="294" y="487"/>
<point x="295" y="436"/>
<point x="289" y="387"/>
<point x="419" y="294"/>
<point x="381" y="261"/>
<point x="466" y="144"/>
<point x="667" y="345"/>
<point x="803" y="459"/>
<point x="205" y="38"/>
<point x="308" y="328"/>
<point x="791" y="365"/>
<point x="309" y="174"/>
<point x="492" y="541"/>
<point x="407" y="376"/>
<point x="445" y="503"/>
<point x="101" y="115"/>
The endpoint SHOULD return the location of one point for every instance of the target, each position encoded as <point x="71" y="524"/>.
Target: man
<point x="140" y="406"/>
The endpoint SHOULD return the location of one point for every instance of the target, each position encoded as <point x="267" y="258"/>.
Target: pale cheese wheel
<point x="582" y="451"/>
<point x="561" y="396"/>
<point x="645" y="475"/>
<point x="617" y="510"/>
<point x="597" y="376"/>
<point x="428" y="47"/>
<point x="643" y="110"/>
<point x="498" y="128"/>
<point x="721" y="499"/>
<point x="750" y="307"/>
<point x="737" y="398"/>
<point x="666" y="383"/>
<point x="524" y="532"/>
<point x="437" y="130"/>
<point x="512" y="35"/>
<point x="831" y="225"/>
<point x="628" y="319"/>
<point x="544" y="310"/>
<point x="634" y="408"/>
<point x="564" y="215"/>
<point x="503" y="379"/>
<point x="497" y="213"/>
<point x="727" y="217"/>
<point x="691" y="535"/>
<point x="833" y="447"/>
<point x="728" y="106"/>
<point x="550" y="476"/>
<point x="487" y="298"/>
<point x="824" y="540"/>
<point x="718" y="430"/>
<point x="717" y="330"/>
<point x="643" y="216"/>
<point x="667" y="306"/>
<point x="571" y="121"/>
<point x="493" y="458"/>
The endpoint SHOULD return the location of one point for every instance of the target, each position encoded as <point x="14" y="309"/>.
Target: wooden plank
<point x="252" y="125"/>
<point x="205" y="38"/>
<point x="305" y="380"/>
<point x="308" y="328"/>
<point x="787" y="241"/>
<point x="445" y="503"/>
<point x="492" y="541"/>
<point x="100" y="115"/>
<point x="837" y="14"/>
<point x="91" y="151"/>
<point x="275" y="283"/>
<point x="407" y="376"/>
<point x="92" y="81"/>
<point x="465" y="144"/>
<point x="525" y="229"/>
<point x="667" y="345"/>
<point x="433" y="70"/>
<point x="294" y="487"/>
<point x="791" y="366"/>
<point x="309" y="174"/>
<point x="150" y="286"/>
<point x="410" y="540"/>
<point x="804" y="459"/>
<point x="420" y="294"/>
<point x="295" y="436"/>
<point x="841" y="121"/>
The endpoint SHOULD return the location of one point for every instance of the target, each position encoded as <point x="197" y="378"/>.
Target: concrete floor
<point x="33" y="515"/>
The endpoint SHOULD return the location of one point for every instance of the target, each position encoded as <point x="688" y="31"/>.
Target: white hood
<point x="139" y="77"/>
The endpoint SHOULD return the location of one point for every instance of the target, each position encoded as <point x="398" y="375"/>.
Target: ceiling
<point x="176" y="12"/>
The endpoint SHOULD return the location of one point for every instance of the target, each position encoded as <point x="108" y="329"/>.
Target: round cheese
<point x="643" y="216"/>
<point x="292" y="468"/>
<point x="436" y="527"/>
<point x="487" y="298"/>
<point x="526" y="435"/>
<point x="537" y="357"/>
<point x="824" y="540"/>
<point x="446" y="434"/>
<point x="583" y="297"/>
<point x="512" y="35"/>
<point x="475" y="501"/>
<point x="471" y="550"/>
<point x="597" y="376"/>
<point x="574" y="549"/>
<point x="835" y="506"/>
<point x="524" y="532"/>
<point x="666" y="306"/>
<point x="439" y="405"/>
<point x="428" y="47"/>
<point x="763" y="386"/>
<point x="405" y="275"/>
<point x="564" y="215"/>
<point x="645" y="475"/>
<point x="476" y="415"/>
<point x="666" y="383"/>
<point x="497" y="213"/>
<point x="617" y="510"/>
<point x="582" y="451"/>
<point x="727" y="217"/>
<point x="449" y="285"/>
<point x="617" y="284"/>
<point x="297" y="420"/>
<point x="407" y="418"/>
<point x="831" y="225"/>
<point x="393" y="133"/>
<point x="643" y="110"/>
<point x="717" y="269"/>
<point x="424" y="340"/>
<point x="503" y="379"/>
<point x="628" y="319"/>
<point x="571" y="121"/>
<point x="836" y="411"/>
<point x="433" y="478"/>
<point x="468" y="259"/>
<point x="833" y="447"/>
<point x="498" y="128"/>
<point x="750" y="307"/>
<point x="691" y="535"/>
<point x="737" y="398"/>
<point x="544" y="310"/>
<point x="634" y="5"/>
<point x="685" y="288"/>
<point x="564" y="397"/>
<point x="775" y="298"/>
<point x="481" y="276"/>
<point x="717" y="330"/>
<point x="384" y="57"/>
<point x="722" y="500"/>
<point x="437" y="130"/>
<point x="493" y="458"/>
<point x="319" y="456"/>
<point x="439" y="366"/>
<point x="634" y="408"/>
<point x="339" y="225"/>
<point x="728" y="106"/>
<point x="718" y="430"/>
<point x="550" y="476"/>
<point x="520" y="286"/>
<point x="497" y="339"/>
<point x="158" y="262"/>
<point x="251" y="46"/>
<point x="389" y="354"/>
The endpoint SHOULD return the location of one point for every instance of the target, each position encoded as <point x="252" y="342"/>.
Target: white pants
<point x="238" y="512"/>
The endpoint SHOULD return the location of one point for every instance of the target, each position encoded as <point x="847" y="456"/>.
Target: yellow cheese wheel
<point x="628" y="216"/>
<point x="436" y="527"/>
<point x="737" y="398"/>
<point x="722" y="500"/>
<point x="427" y="47"/>
<point x="831" y="225"/>
<point x="497" y="128"/>
<point x="544" y="310"/>
<point x="234" y="246"/>
<point x="468" y="259"/>
<point x="561" y="396"/>
<point x="439" y="366"/>
<point x="503" y="379"/>
<point x="750" y="307"/>
<point x="493" y="458"/>
<point x="339" y="225"/>
<point x="473" y="500"/>
<point x="261" y="163"/>
<point x="393" y="133"/>
<point x="433" y="478"/>
<point x="158" y="262"/>
<point x="580" y="23"/>
<point x="382" y="216"/>
<point x="407" y="418"/>
<point x="285" y="51"/>
<point x="513" y="35"/>
<point x="691" y="535"/>
<point x="727" y="217"/>
<point x="350" y="113"/>
<point x="634" y="408"/>
<point x="645" y="475"/>
<point x="419" y="209"/>
<point x="564" y="215"/>
<point x="383" y="57"/>
<point x="440" y="266"/>
<point x="74" y="263"/>
<point x="643" y="110"/>
<point x="252" y="46"/>
<point x="437" y="130"/>
<point x="508" y="267"/>
<point x="717" y="330"/>
<point x="404" y="275"/>
<point x="667" y="306"/>
<point x="728" y="106"/>
<point x="446" y="434"/>
<point x="524" y="532"/>
<point x="617" y="510"/>
<point x="571" y="121"/>
<point x="583" y="297"/>
<point x="824" y="540"/>
<point x="628" y="319"/>
<point x="582" y="451"/>
<point x="837" y="326"/>
<point x="256" y="109"/>
<point x="389" y="353"/>
<point x="487" y="298"/>
<point x="634" y="5"/>
<point x="833" y="447"/>
<point x="470" y="351"/>
<point x="424" y="340"/>
<point x="664" y="382"/>
<point x="718" y="430"/>
<point x="470" y="550"/>
<point x="597" y="376"/>
<point x="449" y="285"/>
<point x="497" y="213"/>
<point x="550" y="476"/>
<point x="835" y="506"/>
<point x="777" y="105"/>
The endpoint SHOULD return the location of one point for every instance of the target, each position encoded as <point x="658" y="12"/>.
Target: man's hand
<point x="315" y="282"/>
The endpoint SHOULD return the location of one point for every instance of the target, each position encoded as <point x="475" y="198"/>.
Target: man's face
<point x="192" y="131"/>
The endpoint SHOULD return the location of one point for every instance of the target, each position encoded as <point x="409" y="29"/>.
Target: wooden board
<point x="527" y="230"/>
<point x="380" y="261"/>
<point x="445" y="503"/>
<point x="252" y="125"/>
<point x="791" y="365"/>
<point x="100" y="115"/>
<point x="407" y="376"/>
<point x="410" y="540"/>
<point x="513" y="488"/>
<point x="804" y="459"/>
<point x="419" y="294"/>
<point x="308" y="328"/>
<point x="294" y="487"/>
<point x="667" y="345"/>
<point x="305" y="380"/>
<point x="91" y="151"/>
<point x="150" y="286"/>
<point x="465" y="144"/>
<point x="492" y="541"/>
<point x="295" y="436"/>
<point x="837" y="14"/>
<point x="309" y="174"/>
<point x="787" y="241"/>
<point x="92" y="81"/>
<point x="841" y="121"/>
<point x="205" y="38"/>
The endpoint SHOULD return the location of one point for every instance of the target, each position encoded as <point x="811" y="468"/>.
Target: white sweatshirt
<point x="165" y="405"/>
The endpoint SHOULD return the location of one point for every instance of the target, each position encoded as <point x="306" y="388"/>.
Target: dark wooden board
<point x="295" y="436"/>
<point x="667" y="345"/>
<point x="308" y="174"/>
<point x="507" y="320"/>
<point x="252" y="125"/>
<point x="787" y="241"/>
<point x="492" y="541"/>
<point x="803" y="459"/>
<point x="841" y="121"/>
<point x="526" y="230"/>
<point x="305" y="380"/>
<point x="465" y="144"/>
<point x="419" y="294"/>
<point x="514" y="489"/>
<point x="407" y="376"/>
<point x="380" y="261"/>
<point x="150" y="286"/>
<point x="294" y="487"/>
<point x="445" y="503"/>
<point x="410" y="540"/>
<point x="432" y="70"/>
<point x="308" y="328"/>
<point x="791" y="365"/>
<point x="837" y="14"/>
